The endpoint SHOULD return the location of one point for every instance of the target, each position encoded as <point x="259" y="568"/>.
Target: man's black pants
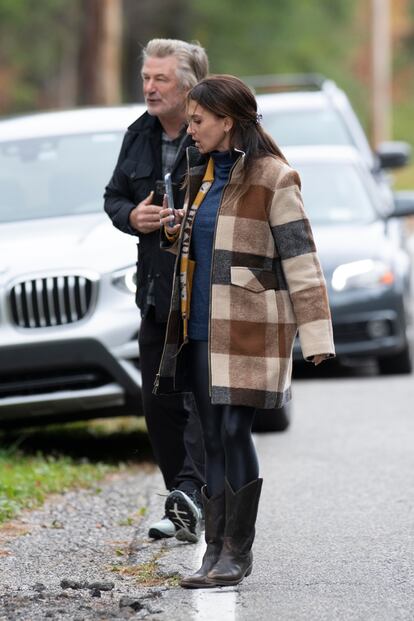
<point x="172" y="421"/>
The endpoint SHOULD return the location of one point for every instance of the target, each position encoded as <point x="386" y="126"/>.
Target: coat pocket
<point x="253" y="279"/>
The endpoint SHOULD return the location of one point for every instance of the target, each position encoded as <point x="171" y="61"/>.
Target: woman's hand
<point x="319" y="358"/>
<point x="166" y="215"/>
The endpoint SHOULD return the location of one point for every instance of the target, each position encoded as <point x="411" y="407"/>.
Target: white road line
<point x="219" y="603"/>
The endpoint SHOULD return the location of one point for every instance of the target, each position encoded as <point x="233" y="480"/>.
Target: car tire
<point x="277" y="419"/>
<point x="398" y="364"/>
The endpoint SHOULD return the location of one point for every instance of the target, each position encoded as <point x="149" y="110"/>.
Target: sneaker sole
<point x="183" y="534"/>
<point x="184" y="514"/>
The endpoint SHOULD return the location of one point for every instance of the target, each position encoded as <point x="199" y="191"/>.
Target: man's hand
<point x="145" y="217"/>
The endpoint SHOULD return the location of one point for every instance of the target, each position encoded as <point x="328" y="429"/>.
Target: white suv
<point x="68" y="321"/>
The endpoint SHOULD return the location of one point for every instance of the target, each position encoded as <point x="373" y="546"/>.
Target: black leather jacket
<point x="137" y="172"/>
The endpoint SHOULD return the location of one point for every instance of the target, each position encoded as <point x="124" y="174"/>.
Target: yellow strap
<point x="208" y="177"/>
<point x="187" y="266"/>
<point x="209" y="174"/>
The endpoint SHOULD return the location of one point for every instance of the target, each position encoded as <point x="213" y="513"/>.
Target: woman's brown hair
<point x="226" y="95"/>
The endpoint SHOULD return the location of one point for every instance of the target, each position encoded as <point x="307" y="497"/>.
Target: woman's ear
<point x="228" y="123"/>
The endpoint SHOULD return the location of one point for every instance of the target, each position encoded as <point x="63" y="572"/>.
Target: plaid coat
<point x="266" y="285"/>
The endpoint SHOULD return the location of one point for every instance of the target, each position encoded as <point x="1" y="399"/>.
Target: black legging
<point x="229" y="447"/>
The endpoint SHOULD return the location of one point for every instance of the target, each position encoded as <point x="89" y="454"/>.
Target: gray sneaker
<point x="162" y="529"/>
<point x="185" y="515"/>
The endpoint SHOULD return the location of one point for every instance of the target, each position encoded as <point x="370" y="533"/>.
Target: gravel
<point x="70" y="559"/>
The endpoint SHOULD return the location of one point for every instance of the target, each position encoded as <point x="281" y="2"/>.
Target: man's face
<point x="163" y="93"/>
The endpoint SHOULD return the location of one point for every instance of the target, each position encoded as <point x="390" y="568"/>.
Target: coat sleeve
<point x="118" y="201"/>
<point x="295" y="246"/>
<point x="169" y="242"/>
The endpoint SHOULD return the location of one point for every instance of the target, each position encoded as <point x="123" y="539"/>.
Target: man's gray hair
<point x="192" y="58"/>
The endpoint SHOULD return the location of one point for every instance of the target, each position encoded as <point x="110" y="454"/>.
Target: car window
<point x="56" y="176"/>
<point x="306" y="127"/>
<point x="335" y="194"/>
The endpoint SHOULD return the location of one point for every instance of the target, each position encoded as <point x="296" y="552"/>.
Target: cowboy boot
<point x="236" y="558"/>
<point x="214" y="515"/>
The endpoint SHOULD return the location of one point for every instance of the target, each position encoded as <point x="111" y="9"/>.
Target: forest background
<point x="62" y="53"/>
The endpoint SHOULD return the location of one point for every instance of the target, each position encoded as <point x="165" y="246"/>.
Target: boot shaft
<point x="214" y="516"/>
<point x="241" y="510"/>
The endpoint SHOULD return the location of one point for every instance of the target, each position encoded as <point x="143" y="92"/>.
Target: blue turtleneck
<point x="202" y="239"/>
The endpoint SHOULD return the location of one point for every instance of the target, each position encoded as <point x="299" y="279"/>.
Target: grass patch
<point x="148" y="574"/>
<point x="26" y="480"/>
<point x="53" y="459"/>
<point x="110" y="441"/>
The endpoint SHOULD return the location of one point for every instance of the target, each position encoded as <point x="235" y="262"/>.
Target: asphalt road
<point x="336" y="525"/>
<point x="335" y="529"/>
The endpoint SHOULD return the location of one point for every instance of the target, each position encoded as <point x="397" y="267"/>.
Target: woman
<point x="247" y="278"/>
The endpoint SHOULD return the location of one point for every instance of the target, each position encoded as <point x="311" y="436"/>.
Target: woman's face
<point x="209" y="132"/>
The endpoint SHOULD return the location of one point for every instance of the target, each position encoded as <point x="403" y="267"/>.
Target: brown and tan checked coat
<point x="266" y="284"/>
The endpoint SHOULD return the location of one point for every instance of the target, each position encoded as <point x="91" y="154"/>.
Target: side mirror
<point x="403" y="204"/>
<point x="393" y="154"/>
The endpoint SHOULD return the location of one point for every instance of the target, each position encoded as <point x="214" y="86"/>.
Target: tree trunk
<point x="100" y="53"/>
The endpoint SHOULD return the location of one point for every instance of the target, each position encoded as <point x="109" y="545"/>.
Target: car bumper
<point x="80" y="375"/>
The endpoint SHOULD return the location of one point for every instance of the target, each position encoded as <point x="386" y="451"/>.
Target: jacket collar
<point x="197" y="165"/>
<point x="195" y="158"/>
<point x="198" y="161"/>
<point x="151" y="125"/>
<point x="146" y="122"/>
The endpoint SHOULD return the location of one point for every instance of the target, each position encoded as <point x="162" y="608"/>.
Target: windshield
<point x="335" y="194"/>
<point x="56" y="176"/>
<point x="306" y="127"/>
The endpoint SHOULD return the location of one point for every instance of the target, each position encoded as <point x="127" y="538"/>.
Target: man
<point x="153" y="145"/>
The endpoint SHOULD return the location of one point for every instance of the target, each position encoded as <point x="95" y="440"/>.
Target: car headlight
<point x="125" y="279"/>
<point x="362" y="274"/>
